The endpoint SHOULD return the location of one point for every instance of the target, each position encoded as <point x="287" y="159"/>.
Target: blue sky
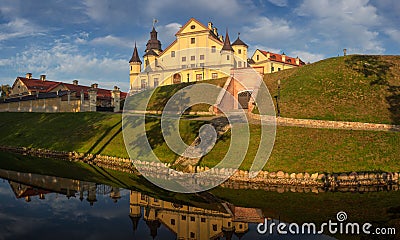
<point x="92" y="40"/>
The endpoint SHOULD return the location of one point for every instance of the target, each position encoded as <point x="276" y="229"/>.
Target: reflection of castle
<point x="27" y="185"/>
<point x="189" y="222"/>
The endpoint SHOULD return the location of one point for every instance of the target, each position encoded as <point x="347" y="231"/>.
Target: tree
<point x="5" y="90"/>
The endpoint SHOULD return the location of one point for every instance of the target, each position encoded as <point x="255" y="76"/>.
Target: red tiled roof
<point x="278" y="58"/>
<point x="48" y="86"/>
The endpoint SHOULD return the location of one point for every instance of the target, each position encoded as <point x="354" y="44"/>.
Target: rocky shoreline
<point x="273" y="181"/>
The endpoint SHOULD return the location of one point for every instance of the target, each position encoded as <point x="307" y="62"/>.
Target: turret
<point x="240" y="49"/>
<point x="227" y="56"/>
<point x="135" y="65"/>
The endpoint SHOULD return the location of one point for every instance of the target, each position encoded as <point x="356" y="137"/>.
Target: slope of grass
<point x="352" y="88"/>
<point x="96" y="133"/>
<point x="162" y="94"/>
<point x="320" y="150"/>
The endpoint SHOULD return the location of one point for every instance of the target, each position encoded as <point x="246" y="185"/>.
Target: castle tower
<point x="240" y="49"/>
<point x="153" y="49"/>
<point x="135" y="66"/>
<point x="227" y="52"/>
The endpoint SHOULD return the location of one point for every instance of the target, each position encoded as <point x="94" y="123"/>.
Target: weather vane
<point x="154" y="21"/>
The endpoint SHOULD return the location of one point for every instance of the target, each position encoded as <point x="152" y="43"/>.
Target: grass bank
<point x="358" y="88"/>
<point x="296" y="149"/>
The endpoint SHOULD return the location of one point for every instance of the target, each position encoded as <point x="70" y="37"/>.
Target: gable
<point x="192" y="26"/>
<point x="261" y="56"/>
<point x="18" y="87"/>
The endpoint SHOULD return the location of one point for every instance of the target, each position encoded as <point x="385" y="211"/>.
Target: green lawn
<point x="352" y="88"/>
<point x="320" y="150"/>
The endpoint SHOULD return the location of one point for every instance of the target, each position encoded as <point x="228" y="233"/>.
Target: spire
<point x="135" y="56"/>
<point x="238" y="41"/>
<point x="153" y="43"/>
<point x="227" y="43"/>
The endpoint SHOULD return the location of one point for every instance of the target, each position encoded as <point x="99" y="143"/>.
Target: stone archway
<point x="177" y="78"/>
<point x="243" y="99"/>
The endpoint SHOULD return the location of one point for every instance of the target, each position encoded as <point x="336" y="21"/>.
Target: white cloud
<point x="394" y="34"/>
<point x="19" y="27"/>
<point x="343" y="24"/>
<point x="279" y="3"/>
<point x="307" y="56"/>
<point x="112" y="41"/>
<point x="266" y="29"/>
<point x="63" y="62"/>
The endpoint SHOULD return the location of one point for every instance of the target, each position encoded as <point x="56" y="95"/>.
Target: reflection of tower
<point x="91" y="198"/>
<point x="134" y="210"/>
<point x="153" y="225"/>
<point x="115" y="194"/>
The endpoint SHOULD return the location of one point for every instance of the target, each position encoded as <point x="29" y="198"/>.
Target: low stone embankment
<point x="273" y="181"/>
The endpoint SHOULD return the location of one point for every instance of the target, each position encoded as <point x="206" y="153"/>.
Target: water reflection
<point x="49" y="206"/>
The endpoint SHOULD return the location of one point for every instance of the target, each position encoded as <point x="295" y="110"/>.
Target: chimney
<point x="116" y="88"/>
<point x="28" y="75"/>
<point x="95" y="85"/>
<point x="75" y="82"/>
<point x="268" y="55"/>
<point x="210" y="25"/>
<point x="297" y="60"/>
<point x="43" y="77"/>
<point x="215" y="30"/>
<point x="283" y="57"/>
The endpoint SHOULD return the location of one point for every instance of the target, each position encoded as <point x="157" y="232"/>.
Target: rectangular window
<point x="215" y="227"/>
<point x="279" y="69"/>
<point x="201" y="64"/>
<point x="183" y="66"/>
<point x="227" y="57"/>
<point x="213" y="49"/>
<point x="192" y="219"/>
<point x="199" y="77"/>
<point x="192" y="65"/>
<point x="173" y="54"/>
<point x="142" y="196"/>
<point x="258" y="57"/>
<point x="239" y="64"/>
<point x="214" y="75"/>
<point x="272" y="69"/>
<point x="183" y="59"/>
<point x="183" y="218"/>
<point x="203" y="220"/>
<point x="240" y="51"/>
<point x="192" y="235"/>
<point x="201" y="57"/>
<point x="143" y="84"/>
<point x="172" y="222"/>
<point x="155" y="85"/>
<point x="193" y="40"/>
<point x="192" y="58"/>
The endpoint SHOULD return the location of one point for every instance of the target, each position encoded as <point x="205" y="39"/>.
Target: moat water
<point x="38" y="206"/>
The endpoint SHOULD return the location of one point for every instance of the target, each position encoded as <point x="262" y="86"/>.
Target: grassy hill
<point x="296" y="149"/>
<point x="351" y="88"/>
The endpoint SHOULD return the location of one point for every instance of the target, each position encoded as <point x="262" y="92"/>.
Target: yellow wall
<point x="42" y="105"/>
<point x="185" y="57"/>
<point x="267" y="64"/>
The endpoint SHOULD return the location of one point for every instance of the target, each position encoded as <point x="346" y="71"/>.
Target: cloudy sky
<point x="92" y="40"/>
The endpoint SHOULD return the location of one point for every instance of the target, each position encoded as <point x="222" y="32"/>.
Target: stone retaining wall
<point x="273" y="181"/>
<point x="312" y="123"/>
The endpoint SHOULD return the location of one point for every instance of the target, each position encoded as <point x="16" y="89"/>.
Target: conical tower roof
<point x="227" y="43"/>
<point x="135" y="56"/>
<point x="238" y="41"/>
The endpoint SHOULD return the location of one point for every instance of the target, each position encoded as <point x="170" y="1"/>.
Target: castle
<point x="198" y="53"/>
